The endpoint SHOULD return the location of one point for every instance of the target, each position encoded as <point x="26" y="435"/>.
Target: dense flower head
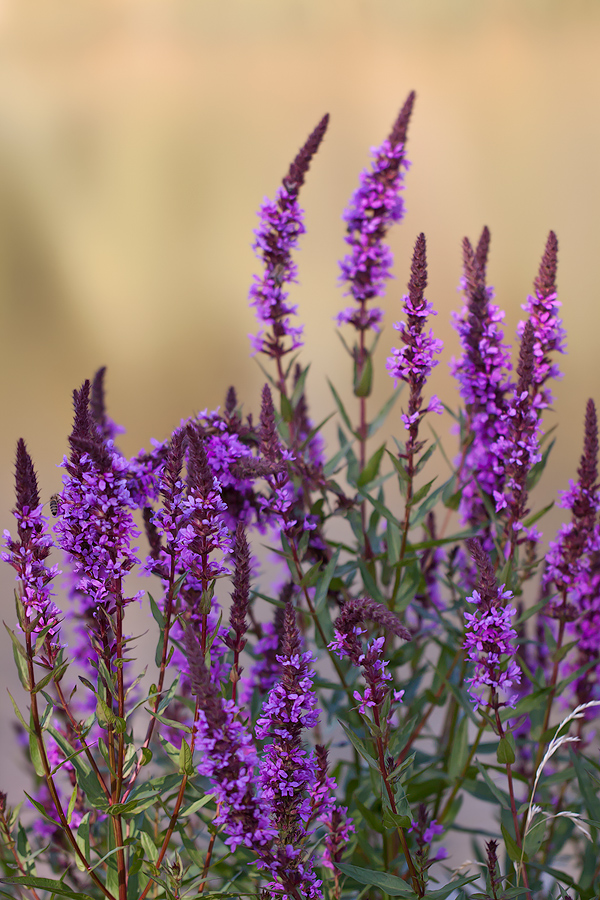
<point x="96" y="526"/>
<point x="489" y="633"/>
<point x="348" y="642"/>
<point x="29" y="553"/>
<point x="542" y="308"/>
<point x="339" y="828"/>
<point x="414" y="362"/>
<point x="281" y="224"/>
<point x="374" y="207"/>
<point x="288" y="771"/>
<point x="569" y="556"/>
<point x="482" y="372"/>
<point x="517" y="451"/>
<point x="228" y="759"/>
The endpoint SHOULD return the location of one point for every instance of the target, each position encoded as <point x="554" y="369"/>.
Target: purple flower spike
<point x="375" y="206"/>
<point x="108" y="429"/>
<point x="281" y="224"/>
<point x="228" y="759"/>
<point x="96" y="526"/>
<point x="567" y="560"/>
<point x="348" y="643"/>
<point x="518" y="451"/>
<point x="287" y="771"/>
<point x="28" y="554"/>
<point x="542" y="308"/>
<point x="489" y="634"/>
<point x="414" y="362"/>
<point x="482" y="374"/>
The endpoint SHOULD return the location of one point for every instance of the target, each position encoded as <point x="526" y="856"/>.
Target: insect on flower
<point x="53" y="502"/>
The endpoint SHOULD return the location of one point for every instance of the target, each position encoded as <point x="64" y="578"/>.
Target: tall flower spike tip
<point x="25" y="479"/>
<point x="550" y="337"/>
<point x="414" y="362"/>
<point x="489" y="634"/>
<point x="108" y="428"/>
<point x="374" y="207"/>
<point x="567" y="560"/>
<point x="518" y="450"/>
<point x="482" y="372"/>
<point x="281" y="224"/>
<point x="27" y="555"/>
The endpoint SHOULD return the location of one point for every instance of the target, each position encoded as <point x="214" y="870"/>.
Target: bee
<point x="54" y="500"/>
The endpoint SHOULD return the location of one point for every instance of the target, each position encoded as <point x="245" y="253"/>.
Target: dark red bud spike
<point x="481" y="253"/>
<point x="545" y="283"/>
<point x="97" y="403"/>
<point x="418" y="272"/>
<point x="400" y="129"/>
<point x="294" y="179"/>
<point x="25" y="479"/>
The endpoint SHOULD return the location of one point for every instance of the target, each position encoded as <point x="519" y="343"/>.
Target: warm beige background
<point x="137" y="140"/>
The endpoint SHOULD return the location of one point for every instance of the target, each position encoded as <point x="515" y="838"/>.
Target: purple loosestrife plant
<point x="331" y="769"/>
<point x="281" y="224"/>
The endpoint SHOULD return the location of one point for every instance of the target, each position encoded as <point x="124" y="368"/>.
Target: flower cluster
<point x="374" y="207"/>
<point x="277" y="235"/>
<point x="28" y="554"/>
<point x="414" y="362"/>
<point x="489" y="633"/>
<point x="348" y="643"/>
<point x="482" y="374"/>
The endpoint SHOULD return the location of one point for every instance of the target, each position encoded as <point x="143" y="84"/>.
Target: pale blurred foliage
<point x="138" y="138"/>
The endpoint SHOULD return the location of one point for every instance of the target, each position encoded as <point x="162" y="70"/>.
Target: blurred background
<point x="138" y="138"/>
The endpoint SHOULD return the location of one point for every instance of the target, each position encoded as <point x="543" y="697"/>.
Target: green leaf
<point x="150" y="849"/>
<point x="71" y="806"/>
<point x="372" y="819"/>
<point x="46" y="884"/>
<point x="506" y="750"/>
<point x="450" y="888"/>
<point x="82" y="837"/>
<point x="371" y="469"/>
<point x="20" y="655"/>
<point x="196" y="805"/>
<point x="322" y="585"/>
<point x="146" y="755"/>
<point x="360" y="746"/>
<point x="384" y="412"/>
<point x="172" y="723"/>
<point x="42" y="811"/>
<point x="391" y="884"/>
<point x="186" y="760"/>
<point x="287" y="413"/>
<point x="18" y="712"/>
<point x="341" y="409"/>
<point x="363" y="379"/>
<point x="35" y="754"/>
<point x="512" y="847"/>
<point x="534" y="838"/>
<point x="104" y="713"/>
<point x="392" y="539"/>
<point x="459" y="751"/>
<point x="502" y="798"/>
<point x="156" y="613"/>
<point x="589" y="793"/>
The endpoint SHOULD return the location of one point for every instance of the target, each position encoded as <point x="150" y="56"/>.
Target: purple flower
<point x="482" y="374"/>
<point x="542" y="308"/>
<point x="414" y="362"/>
<point x="228" y="760"/>
<point x="517" y="451"/>
<point x="374" y="207"/>
<point x="287" y="770"/>
<point x="96" y="526"/>
<point x="277" y="235"/>
<point x="489" y="633"/>
<point x="339" y="827"/>
<point x="348" y="642"/>
<point x="568" y="557"/>
<point x="29" y="553"/>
